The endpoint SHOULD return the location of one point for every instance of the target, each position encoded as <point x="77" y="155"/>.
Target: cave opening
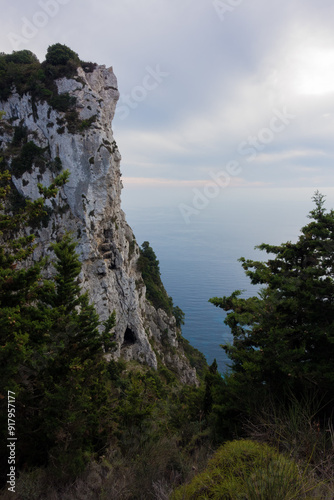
<point x="129" y="337"/>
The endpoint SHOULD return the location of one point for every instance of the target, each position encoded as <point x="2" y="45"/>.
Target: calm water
<point x="200" y="260"/>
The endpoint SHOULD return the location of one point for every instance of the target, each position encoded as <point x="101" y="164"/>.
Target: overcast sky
<point x="235" y="93"/>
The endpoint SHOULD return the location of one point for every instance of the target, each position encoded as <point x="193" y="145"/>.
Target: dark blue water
<point x="200" y="260"/>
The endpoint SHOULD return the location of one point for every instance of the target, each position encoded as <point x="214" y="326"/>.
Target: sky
<point x="215" y="96"/>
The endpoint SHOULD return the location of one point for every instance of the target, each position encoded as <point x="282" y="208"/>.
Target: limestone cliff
<point x="89" y="206"/>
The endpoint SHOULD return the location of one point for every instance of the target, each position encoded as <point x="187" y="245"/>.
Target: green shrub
<point x="22" y="57"/>
<point x="20" y="134"/>
<point x="148" y="264"/>
<point x="88" y="67"/>
<point x="59" y="54"/>
<point x="196" y="358"/>
<point x="23" y="77"/>
<point x="62" y="102"/>
<point x="84" y="124"/>
<point x="23" y="71"/>
<point x="246" y="470"/>
<point x="30" y="152"/>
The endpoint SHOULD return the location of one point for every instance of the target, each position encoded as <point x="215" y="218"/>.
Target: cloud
<point x="280" y="156"/>
<point x="152" y="182"/>
<point x="225" y="80"/>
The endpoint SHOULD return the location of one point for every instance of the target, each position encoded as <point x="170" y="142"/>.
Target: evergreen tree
<point x="76" y="405"/>
<point x="60" y="54"/>
<point x="51" y="350"/>
<point x="22" y="322"/>
<point x="284" y="338"/>
<point x="148" y="265"/>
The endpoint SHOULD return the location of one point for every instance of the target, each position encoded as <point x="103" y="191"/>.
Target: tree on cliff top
<point x="284" y="338"/>
<point x="58" y="54"/>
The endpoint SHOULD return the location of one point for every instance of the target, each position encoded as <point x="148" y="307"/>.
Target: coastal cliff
<point x="73" y="131"/>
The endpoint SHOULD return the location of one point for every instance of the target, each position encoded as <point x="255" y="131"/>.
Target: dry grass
<point x="296" y="430"/>
<point x="150" y="474"/>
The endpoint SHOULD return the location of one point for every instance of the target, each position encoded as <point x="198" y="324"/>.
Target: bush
<point x="148" y="264"/>
<point x="22" y="57"/>
<point x="88" y="67"/>
<point x="30" y="152"/>
<point x="23" y="71"/>
<point x="245" y="470"/>
<point x="196" y="358"/>
<point x="62" y="102"/>
<point x="59" y="54"/>
<point x="20" y="134"/>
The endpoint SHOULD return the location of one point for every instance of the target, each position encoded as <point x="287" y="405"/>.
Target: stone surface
<point x="89" y="206"/>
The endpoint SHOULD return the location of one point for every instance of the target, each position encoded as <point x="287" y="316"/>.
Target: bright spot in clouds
<point x="314" y="71"/>
<point x="227" y="79"/>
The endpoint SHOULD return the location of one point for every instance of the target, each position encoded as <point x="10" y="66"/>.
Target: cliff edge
<point x="71" y="129"/>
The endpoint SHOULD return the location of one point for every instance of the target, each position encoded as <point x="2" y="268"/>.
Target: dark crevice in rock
<point x="129" y="337"/>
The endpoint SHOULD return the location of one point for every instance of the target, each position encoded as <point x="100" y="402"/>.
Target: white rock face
<point x="89" y="206"/>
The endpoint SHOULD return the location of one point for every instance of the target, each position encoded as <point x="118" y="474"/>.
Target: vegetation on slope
<point x="148" y="265"/>
<point x="247" y="470"/>
<point x="284" y="338"/>
<point x="51" y="354"/>
<point x="21" y="71"/>
<point x="121" y="430"/>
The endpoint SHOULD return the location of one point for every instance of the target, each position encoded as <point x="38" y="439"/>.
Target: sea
<point x="199" y="256"/>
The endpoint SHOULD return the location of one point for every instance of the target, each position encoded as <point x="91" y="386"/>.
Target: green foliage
<point x="179" y="316"/>
<point x="29" y="153"/>
<point x="74" y="397"/>
<point x="196" y="358"/>
<point x="246" y="470"/>
<point x="284" y="338"/>
<point x="13" y="72"/>
<point x="153" y="433"/>
<point x="20" y="289"/>
<point x="57" y="164"/>
<point x="51" y="351"/>
<point x="148" y="265"/>
<point x="23" y="71"/>
<point x="62" y="102"/>
<point x="20" y="135"/>
<point x="21" y="57"/>
<point x="88" y="67"/>
<point x="84" y="124"/>
<point x="59" y="54"/>
<point x="210" y="379"/>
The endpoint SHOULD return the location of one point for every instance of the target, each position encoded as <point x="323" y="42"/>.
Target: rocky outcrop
<point x="89" y="206"/>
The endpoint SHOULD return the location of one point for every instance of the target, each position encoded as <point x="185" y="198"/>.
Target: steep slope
<point x="37" y="140"/>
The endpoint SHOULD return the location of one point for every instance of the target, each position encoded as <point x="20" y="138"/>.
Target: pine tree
<point x="51" y="351"/>
<point x="20" y="286"/>
<point x="77" y="410"/>
<point x="283" y="339"/>
<point x="22" y="323"/>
